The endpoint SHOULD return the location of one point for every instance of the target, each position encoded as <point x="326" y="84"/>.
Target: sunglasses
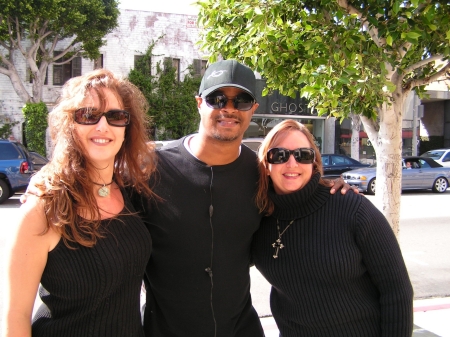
<point x="218" y="100"/>
<point x="89" y="116"/>
<point x="279" y="155"/>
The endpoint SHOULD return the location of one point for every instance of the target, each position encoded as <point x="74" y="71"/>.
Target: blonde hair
<point x="65" y="179"/>
<point x="274" y="137"/>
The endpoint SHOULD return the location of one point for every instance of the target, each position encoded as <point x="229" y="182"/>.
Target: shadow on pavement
<point x="419" y="332"/>
<point x="12" y="202"/>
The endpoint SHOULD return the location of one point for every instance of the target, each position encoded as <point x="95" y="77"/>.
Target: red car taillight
<point x="24" y="167"/>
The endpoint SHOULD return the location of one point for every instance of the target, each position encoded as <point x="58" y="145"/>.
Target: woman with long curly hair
<point x="334" y="263"/>
<point x="81" y="239"/>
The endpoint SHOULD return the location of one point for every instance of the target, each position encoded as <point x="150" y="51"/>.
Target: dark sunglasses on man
<point x="280" y="155"/>
<point x="217" y="100"/>
<point x="90" y="116"/>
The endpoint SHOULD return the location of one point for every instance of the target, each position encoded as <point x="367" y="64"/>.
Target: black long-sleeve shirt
<point x="198" y="275"/>
<point x="341" y="271"/>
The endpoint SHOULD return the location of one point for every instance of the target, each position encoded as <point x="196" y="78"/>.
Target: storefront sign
<point x="277" y="104"/>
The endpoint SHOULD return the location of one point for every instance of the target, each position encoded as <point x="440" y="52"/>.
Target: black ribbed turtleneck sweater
<point x="341" y="271"/>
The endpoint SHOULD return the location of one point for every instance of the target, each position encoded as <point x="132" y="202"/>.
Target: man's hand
<point x="339" y="183"/>
<point x="31" y="189"/>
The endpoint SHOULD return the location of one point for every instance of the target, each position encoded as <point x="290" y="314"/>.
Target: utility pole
<point x="414" y="126"/>
<point x="417" y="114"/>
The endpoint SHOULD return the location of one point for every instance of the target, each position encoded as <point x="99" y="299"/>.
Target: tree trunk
<point x="389" y="168"/>
<point x="19" y="87"/>
<point x="37" y="87"/>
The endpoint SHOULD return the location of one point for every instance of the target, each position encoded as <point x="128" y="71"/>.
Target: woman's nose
<point x="102" y="124"/>
<point x="291" y="161"/>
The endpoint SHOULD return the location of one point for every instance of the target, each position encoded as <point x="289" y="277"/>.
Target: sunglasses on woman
<point x="280" y="155"/>
<point x="90" y="116"/>
<point x="218" y="100"/>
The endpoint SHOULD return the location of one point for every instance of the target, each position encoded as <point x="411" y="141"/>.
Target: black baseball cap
<point x="227" y="73"/>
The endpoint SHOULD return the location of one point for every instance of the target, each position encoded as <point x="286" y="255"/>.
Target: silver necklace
<point x="103" y="191"/>
<point x="277" y="244"/>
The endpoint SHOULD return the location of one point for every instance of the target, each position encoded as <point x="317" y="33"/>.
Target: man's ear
<point x="255" y="106"/>
<point x="199" y="101"/>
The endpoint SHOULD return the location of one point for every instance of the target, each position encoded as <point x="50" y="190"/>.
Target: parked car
<point x="15" y="168"/>
<point x="38" y="160"/>
<point x="442" y="156"/>
<point x="336" y="164"/>
<point x="252" y="143"/>
<point x="424" y="174"/>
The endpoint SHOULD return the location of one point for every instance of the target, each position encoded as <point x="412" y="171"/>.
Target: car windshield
<point x="433" y="154"/>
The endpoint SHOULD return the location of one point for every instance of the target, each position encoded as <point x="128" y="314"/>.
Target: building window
<point x="63" y="72"/>
<point x="199" y="67"/>
<point x="175" y="64"/>
<point x="98" y="63"/>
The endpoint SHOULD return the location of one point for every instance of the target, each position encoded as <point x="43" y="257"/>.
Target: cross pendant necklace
<point x="277" y="244"/>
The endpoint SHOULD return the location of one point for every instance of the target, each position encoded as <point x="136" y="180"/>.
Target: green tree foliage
<point x="33" y="30"/>
<point x="339" y="54"/>
<point x="173" y="109"/>
<point x="345" y="56"/>
<point x="35" y="126"/>
<point x="6" y="130"/>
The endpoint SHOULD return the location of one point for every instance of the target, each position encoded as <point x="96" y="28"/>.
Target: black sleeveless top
<point x="96" y="291"/>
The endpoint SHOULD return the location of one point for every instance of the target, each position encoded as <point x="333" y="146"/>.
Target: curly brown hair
<point x="273" y="138"/>
<point x="67" y="188"/>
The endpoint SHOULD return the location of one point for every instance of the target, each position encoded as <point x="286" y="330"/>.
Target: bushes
<point x="35" y="126"/>
<point x="172" y="106"/>
<point x="6" y="130"/>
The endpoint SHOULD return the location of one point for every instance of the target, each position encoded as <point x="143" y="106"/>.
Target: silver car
<point x="424" y="173"/>
<point x="442" y="156"/>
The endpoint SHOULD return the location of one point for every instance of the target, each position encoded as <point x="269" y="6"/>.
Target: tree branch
<point x="10" y="31"/>
<point x="371" y="127"/>
<point x="69" y="48"/>
<point x="19" y="38"/>
<point x="373" y="32"/>
<point x="5" y="71"/>
<point x="430" y="79"/>
<point x="422" y="63"/>
<point x="403" y="49"/>
<point x="43" y="33"/>
<point x="4" y="45"/>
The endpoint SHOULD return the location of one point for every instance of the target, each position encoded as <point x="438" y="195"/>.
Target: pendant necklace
<point x="277" y="244"/>
<point x="103" y="191"/>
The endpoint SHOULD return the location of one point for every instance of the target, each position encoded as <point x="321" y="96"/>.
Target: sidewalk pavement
<point x="431" y="319"/>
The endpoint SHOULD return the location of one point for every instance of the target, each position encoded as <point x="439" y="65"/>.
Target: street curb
<point x="432" y="304"/>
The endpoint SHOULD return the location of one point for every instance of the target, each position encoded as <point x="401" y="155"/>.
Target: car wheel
<point x="4" y="191"/>
<point x="440" y="185"/>
<point x="371" y="186"/>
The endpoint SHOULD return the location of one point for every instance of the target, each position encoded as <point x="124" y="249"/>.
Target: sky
<point x="165" y="6"/>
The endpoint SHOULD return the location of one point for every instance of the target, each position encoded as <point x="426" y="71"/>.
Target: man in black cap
<point x="198" y="281"/>
<point x="198" y="275"/>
